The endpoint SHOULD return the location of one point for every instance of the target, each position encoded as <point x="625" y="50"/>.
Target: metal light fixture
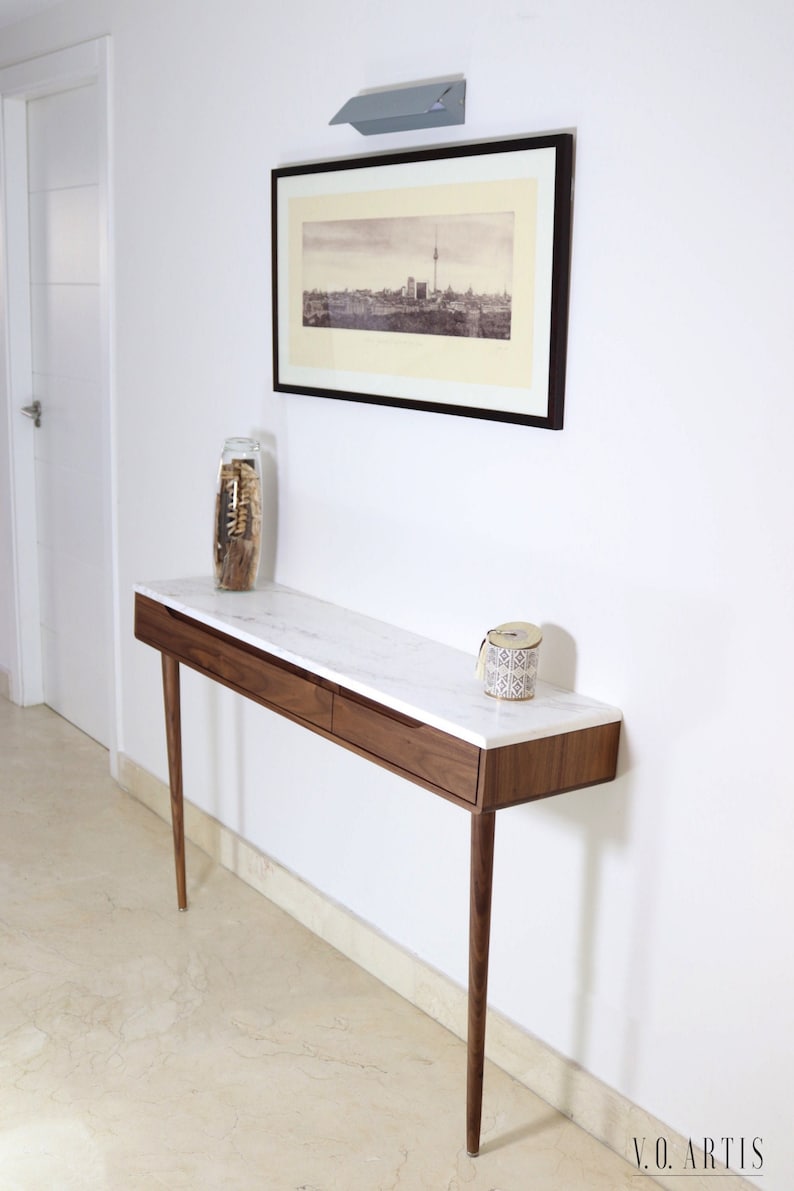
<point x="428" y="105"/>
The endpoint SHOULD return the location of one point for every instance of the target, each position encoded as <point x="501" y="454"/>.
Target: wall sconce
<point x="430" y="105"/>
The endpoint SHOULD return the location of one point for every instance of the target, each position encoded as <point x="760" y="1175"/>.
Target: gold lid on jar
<point x="516" y="634"/>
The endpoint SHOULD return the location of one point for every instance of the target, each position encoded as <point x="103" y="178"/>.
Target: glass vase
<point x="238" y="515"/>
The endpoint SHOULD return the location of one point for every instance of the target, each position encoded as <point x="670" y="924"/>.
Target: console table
<point x="406" y="703"/>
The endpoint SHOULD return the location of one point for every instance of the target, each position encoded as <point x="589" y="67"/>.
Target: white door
<point x="66" y="351"/>
<point x="56" y="201"/>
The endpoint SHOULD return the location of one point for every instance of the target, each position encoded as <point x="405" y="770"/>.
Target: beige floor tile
<point x="223" y="1048"/>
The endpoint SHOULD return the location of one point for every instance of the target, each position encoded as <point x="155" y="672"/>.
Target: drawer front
<point x="261" y="677"/>
<point x="413" y="747"/>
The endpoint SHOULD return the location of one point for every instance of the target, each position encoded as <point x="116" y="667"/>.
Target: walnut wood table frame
<point x="226" y="638"/>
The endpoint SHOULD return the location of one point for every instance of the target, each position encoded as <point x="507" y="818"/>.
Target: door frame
<point x="49" y="74"/>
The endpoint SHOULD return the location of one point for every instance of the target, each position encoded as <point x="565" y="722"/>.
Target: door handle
<point x="33" y="411"/>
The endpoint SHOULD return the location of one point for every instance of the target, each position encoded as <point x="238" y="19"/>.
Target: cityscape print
<point x="427" y="275"/>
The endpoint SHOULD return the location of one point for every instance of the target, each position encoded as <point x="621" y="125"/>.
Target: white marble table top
<point x="430" y="682"/>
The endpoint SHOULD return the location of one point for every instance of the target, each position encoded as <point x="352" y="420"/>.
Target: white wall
<point x="642" y="928"/>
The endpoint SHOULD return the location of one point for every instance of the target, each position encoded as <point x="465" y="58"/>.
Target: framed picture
<point x="434" y="279"/>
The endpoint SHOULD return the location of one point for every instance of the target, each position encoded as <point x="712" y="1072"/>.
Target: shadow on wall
<point x="601" y="817"/>
<point x="269" y="461"/>
<point x="558" y="657"/>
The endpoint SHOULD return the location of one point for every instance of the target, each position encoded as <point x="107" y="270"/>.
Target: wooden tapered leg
<point x="482" y="847"/>
<point x="173" y="733"/>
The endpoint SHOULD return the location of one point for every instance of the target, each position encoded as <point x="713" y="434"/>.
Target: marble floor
<point x="225" y="1048"/>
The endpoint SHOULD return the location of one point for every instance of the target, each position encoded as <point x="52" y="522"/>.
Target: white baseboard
<point x="598" y="1109"/>
<point x="5" y="684"/>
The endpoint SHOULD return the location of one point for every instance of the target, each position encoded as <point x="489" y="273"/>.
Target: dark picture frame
<point x="433" y="279"/>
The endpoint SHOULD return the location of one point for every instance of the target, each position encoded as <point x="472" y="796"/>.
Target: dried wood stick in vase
<point x="238" y="525"/>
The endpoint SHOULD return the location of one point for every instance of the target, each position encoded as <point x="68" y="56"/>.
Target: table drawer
<point x="413" y="747"/>
<point x="255" y="674"/>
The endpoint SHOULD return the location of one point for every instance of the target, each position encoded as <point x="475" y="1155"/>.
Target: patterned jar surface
<point x="510" y="662"/>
